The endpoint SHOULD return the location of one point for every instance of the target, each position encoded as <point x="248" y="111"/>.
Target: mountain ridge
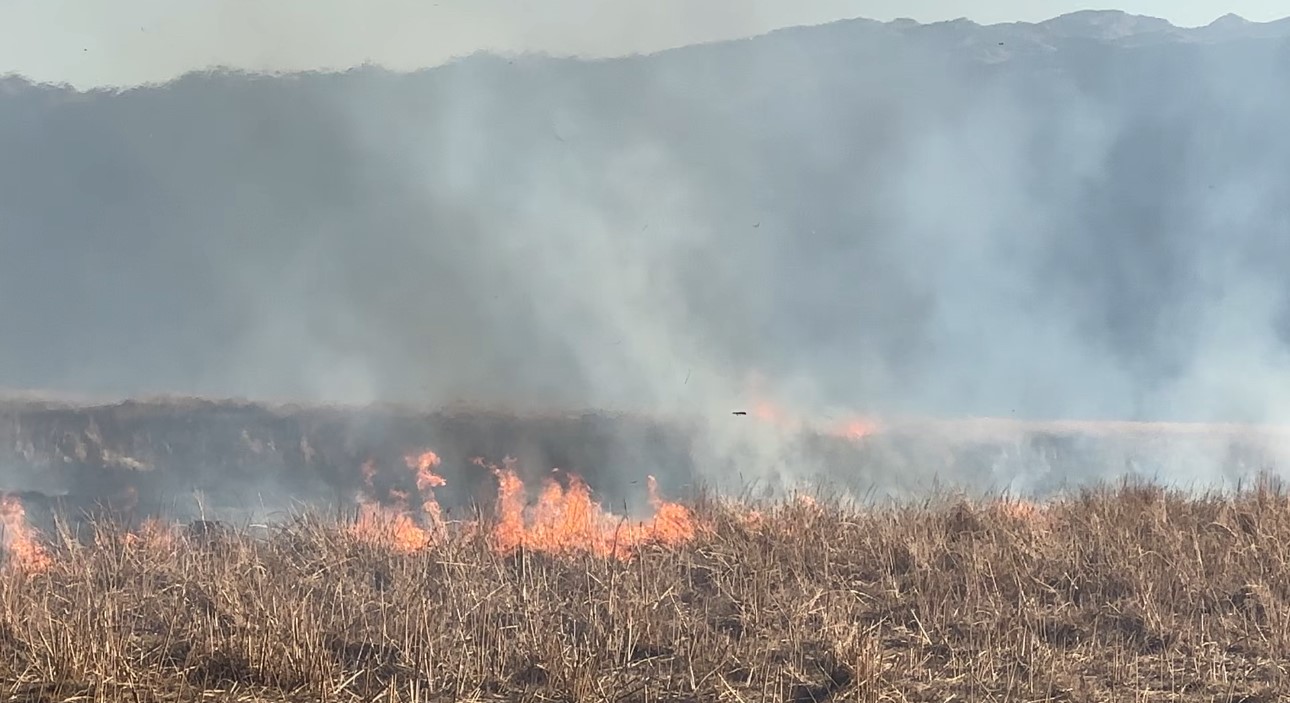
<point x="1115" y="27"/>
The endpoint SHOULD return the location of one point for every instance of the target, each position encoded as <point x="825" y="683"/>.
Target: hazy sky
<point x="87" y="42"/>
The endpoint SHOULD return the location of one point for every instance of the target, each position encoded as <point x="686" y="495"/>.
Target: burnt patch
<point x="836" y="677"/>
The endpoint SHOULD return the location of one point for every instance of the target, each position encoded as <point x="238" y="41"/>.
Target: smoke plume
<point x="1029" y="221"/>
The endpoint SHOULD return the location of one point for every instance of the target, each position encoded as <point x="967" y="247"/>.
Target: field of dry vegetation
<point x="1132" y="593"/>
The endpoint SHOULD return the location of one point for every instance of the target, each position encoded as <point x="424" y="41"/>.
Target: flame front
<point x="153" y="535"/>
<point x="387" y="527"/>
<point x="562" y="520"/>
<point x="566" y="521"/>
<point x="22" y="549"/>
<point x="393" y="526"/>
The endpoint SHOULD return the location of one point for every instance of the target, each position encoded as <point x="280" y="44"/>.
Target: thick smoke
<point x="890" y="219"/>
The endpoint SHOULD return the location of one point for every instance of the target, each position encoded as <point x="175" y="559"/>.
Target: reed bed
<point x="1121" y="593"/>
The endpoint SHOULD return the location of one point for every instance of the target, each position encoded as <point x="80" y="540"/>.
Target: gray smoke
<point x="1080" y="219"/>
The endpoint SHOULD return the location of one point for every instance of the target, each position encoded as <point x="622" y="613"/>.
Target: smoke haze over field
<point x="1081" y="219"/>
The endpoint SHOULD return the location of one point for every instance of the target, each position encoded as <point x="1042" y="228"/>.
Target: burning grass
<point x="564" y="520"/>
<point x="1128" y="594"/>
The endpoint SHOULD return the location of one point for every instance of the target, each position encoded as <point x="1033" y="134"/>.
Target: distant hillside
<point x="1084" y="217"/>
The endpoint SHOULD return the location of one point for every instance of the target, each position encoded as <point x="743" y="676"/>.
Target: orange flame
<point x="767" y="411"/>
<point x="857" y="428"/>
<point x="153" y="534"/>
<point x="566" y="521"/>
<point x="393" y="526"/>
<point x="421" y="464"/>
<point x="19" y="540"/>
<point x="427" y="480"/>
<point x="1021" y="511"/>
<point x="395" y="530"/>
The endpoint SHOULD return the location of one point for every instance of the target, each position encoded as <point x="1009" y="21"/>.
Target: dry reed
<point x="1134" y="593"/>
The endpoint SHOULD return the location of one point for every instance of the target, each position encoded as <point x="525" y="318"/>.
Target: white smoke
<point x="875" y="218"/>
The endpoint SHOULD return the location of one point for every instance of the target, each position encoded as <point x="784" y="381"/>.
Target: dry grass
<point x="1127" y="594"/>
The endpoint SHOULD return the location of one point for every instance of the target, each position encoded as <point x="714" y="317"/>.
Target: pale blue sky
<point x="89" y="42"/>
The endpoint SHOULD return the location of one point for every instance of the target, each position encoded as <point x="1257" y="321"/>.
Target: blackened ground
<point x="194" y="458"/>
<point x="226" y="457"/>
